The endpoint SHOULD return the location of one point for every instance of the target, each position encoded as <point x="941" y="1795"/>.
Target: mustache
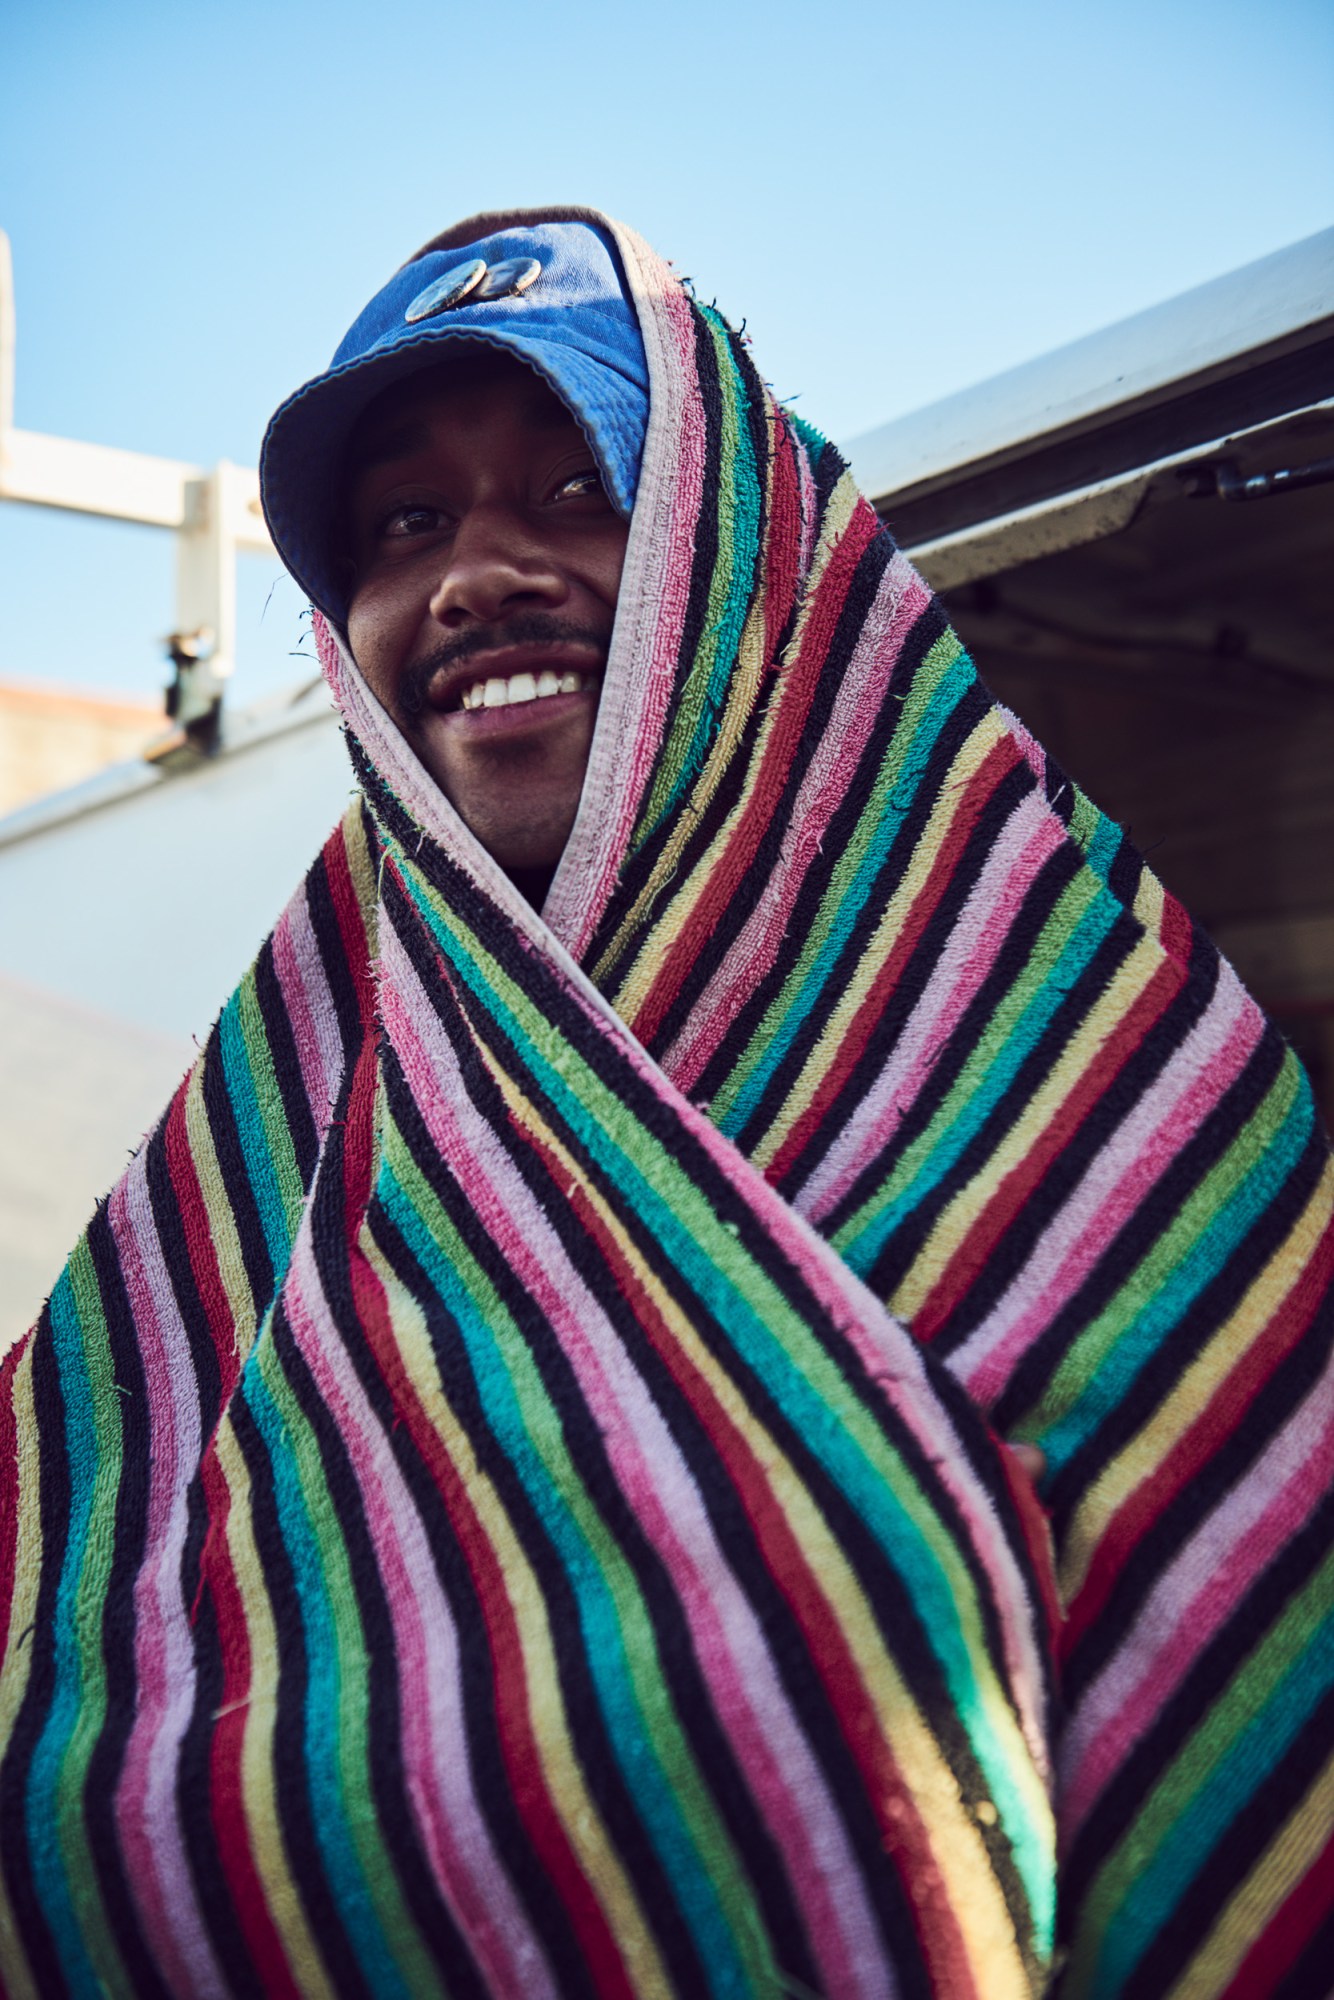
<point x="527" y="628"/>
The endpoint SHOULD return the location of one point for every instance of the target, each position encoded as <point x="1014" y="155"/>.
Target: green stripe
<point x="361" y="1872"/>
<point x="777" y="1343"/>
<point x="1205" y="1790"/>
<point x="620" y="1642"/>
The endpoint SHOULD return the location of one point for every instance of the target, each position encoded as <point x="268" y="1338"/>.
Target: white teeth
<point x="522" y="687"/>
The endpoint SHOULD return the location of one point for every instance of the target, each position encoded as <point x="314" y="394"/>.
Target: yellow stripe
<point x="744" y="690"/>
<point x="1045" y="1105"/>
<point x="18" y="1640"/>
<point x="221" y="1222"/>
<point x="364" y="867"/>
<point x="951" y="801"/>
<point x="1142" y="1457"/>
<point x="570" y="1796"/>
<point x="1150" y="904"/>
<point x="1261" y="1894"/>
<point x="258" y="1789"/>
<point x="958" y="1852"/>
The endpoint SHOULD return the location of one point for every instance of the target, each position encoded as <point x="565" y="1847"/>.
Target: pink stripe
<point x="1118" y="1179"/>
<point x="311" y="1013"/>
<point x="861" y="697"/>
<point x="1192" y="1601"/>
<point x="903" y="1370"/>
<point x="436" y="1759"/>
<point x="1031" y="834"/>
<point x="147" y="1815"/>
<point x="641" y="676"/>
<point x="729" y="1643"/>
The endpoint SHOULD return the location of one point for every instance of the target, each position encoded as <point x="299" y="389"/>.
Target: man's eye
<point x="581" y="485"/>
<point x="410" y="520"/>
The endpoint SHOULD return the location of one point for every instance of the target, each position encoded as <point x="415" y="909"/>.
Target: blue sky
<point x="899" y="199"/>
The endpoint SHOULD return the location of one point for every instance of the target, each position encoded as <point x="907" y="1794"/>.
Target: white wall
<point x="123" y="928"/>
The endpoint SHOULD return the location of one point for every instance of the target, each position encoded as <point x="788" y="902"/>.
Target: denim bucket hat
<point x="549" y="292"/>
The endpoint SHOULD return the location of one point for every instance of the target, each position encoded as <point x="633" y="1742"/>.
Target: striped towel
<point x="504" y="1499"/>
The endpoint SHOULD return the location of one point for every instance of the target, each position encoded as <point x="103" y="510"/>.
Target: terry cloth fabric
<point x="499" y="1502"/>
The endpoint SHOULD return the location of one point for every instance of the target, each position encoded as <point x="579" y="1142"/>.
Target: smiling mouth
<point x="517" y="690"/>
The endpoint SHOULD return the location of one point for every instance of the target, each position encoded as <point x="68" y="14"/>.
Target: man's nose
<point x="493" y="564"/>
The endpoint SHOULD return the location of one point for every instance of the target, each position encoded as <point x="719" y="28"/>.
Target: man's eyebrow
<point x="383" y="447"/>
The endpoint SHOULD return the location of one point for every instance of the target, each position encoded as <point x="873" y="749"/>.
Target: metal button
<point x="504" y="280"/>
<point x="451" y="290"/>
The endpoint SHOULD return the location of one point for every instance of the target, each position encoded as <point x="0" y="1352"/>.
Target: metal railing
<point x="213" y="514"/>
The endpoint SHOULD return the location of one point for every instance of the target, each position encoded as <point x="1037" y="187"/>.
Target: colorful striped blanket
<point x="504" y="1498"/>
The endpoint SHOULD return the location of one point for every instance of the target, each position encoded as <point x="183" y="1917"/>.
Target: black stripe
<point x="1186" y="1712"/>
<point x="1035" y="911"/>
<point x="169" y="1227"/>
<point x="768" y="860"/>
<point x="789" y="1648"/>
<point x="1133" y="1243"/>
<point x="338" y="973"/>
<point x="1231" y="1860"/>
<point x="898" y="1253"/>
<point x="128" y="1543"/>
<point x="1287" y="1388"/>
<point x="492" y="1777"/>
<point x="1310" y="1977"/>
<point x="899" y="1005"/>
<point x="1162" y="1368"/>
<point x="238" y="1188"/>
<point x="395" y="1814"/>
<point x="691" y="1701"/>
<point x="290" y="1766"/>
<point x="884" y="1587"/>
<point x="1096" y="1132"/>
<point x="195" y="1792"/>
<point x="54" y="1497"/>
<point x="865" y="781"/>
<point x="297" y="1114"/>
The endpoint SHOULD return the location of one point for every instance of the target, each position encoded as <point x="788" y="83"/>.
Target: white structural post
<point x="213" y="515"/>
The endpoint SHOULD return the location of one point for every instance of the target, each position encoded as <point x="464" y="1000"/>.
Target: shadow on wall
<point x="78" y="1091"/>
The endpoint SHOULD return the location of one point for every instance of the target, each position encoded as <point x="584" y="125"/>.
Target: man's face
<point x="488" y="558"/>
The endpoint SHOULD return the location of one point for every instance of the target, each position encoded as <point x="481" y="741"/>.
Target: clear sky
<point x="900" y="199"/>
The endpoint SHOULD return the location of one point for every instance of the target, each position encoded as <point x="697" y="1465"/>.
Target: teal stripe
<point x="1162" y="1882"/>
<point x="895" y="808"/>
<point x="631" y="1733"/>
<point x="254" y="1138"/>
<point x="861" y="1242"/>
<point x="338" y="1853"/>
<point x="1117" y="1370"/>
<point x="738" y="511"/>
<point x="867" y="1487"/>
<point x="43" y="1790"/>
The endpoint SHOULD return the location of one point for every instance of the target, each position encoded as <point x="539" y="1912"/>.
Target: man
<point x="500" y="1500"/>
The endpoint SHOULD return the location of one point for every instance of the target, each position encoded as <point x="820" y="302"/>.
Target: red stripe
<point x="1288" y="1933"/>
<point x="783" y="535"/>
<point x="193" y="1210"/>
<point x="792" y="694"/>
<point x="518" y="1741"/>
<point x="1206" y="1436"/>
<point x="1017" y="1188"/>
<point x="236" y="1857"/>
<point x="903" y="1831"/>
<point x="357" y="947"/>
<point x="999" y="761"/>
